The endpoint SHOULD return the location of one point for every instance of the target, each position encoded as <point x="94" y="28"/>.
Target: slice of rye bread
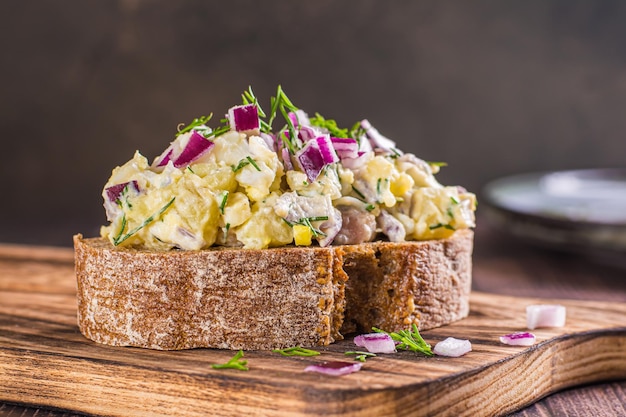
<point x="268" y="299"/>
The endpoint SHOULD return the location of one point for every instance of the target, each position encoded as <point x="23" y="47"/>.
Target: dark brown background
<point x="493" y="88"/>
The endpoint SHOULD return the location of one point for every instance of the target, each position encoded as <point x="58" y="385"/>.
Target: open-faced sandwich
<point x="273" y="229"/>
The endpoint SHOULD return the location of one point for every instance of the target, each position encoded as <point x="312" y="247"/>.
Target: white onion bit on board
<point x="545" y="315"/>
<point x="518" y="339"/>
<point x="376" y="342"/>
<point x="452" y="347"/>
<point x="335" y="368"/>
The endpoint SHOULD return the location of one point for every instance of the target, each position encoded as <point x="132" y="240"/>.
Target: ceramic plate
<point x="571" y="210"/>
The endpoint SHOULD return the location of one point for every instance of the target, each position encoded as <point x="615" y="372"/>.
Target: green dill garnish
<point x="122" y="227"/>
<point x="195" y="123"/>
<point x="409" y="340"/>
<point x="440" y="225"/>
<point x="199" y="125"/>
<point x="253" y="163"/>
<point x="395" y="153"/>
<point x="296" y="351"/>
<point x="244" y="162"/>
<point x="234" y="363"/>
<point x="330" y="125"/>
<point x="306" y="221"/>
<point x="190" y="170"/>
<point x="360" y="194"/>
<point x="454" y="200"/>
<point x="223" y="201"/>
<point x="370" y="207"/>
<point x="217" y="132"/>
<point x="119" y="238"/>
<point x="437" y="164"/>
<point x="361" y="356"/>
<point x="281" y="104"/>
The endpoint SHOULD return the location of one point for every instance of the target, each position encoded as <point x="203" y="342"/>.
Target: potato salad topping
<point x="308" y="182"/>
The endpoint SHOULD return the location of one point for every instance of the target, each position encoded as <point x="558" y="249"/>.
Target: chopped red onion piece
<point x="184" y="150"/>
<point x="337" y="368"/>
<point x="311" y="160"/>
<point x="355" y="163"/>
<point x="270" y="140"/>
<point x="306" y="133"/>
<point x="287" y="159"/>
<point x="165" y="157"/>
<point x="197" y="146"/>
<point x="299" y="118"/>
<point x="452" y="347"/>
<point x="545" y="315"/>
<point x="378" y="140"/>
<point x="113" y="192"/>
<point x="376" y="342"/>
<point x="326" y="149"/>
<point x="345" y="147"/>
<point x="244" y="118"/>
<point x="518" y="339"/>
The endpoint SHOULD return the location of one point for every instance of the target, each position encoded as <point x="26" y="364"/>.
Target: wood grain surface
<point x="44" y="360"/>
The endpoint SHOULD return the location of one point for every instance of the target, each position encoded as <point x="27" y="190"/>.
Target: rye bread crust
<point x="267" y="299"/>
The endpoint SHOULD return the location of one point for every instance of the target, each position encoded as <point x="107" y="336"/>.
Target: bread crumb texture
<point x="271" y="298"/>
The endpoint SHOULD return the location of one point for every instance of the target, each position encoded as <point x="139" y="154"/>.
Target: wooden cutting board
<point x="44" y="360"/>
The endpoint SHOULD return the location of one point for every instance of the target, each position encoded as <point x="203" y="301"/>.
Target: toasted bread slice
<point x="270" y="298"/>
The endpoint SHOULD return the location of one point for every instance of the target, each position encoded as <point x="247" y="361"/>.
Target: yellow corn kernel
<point x="302" y="235"/>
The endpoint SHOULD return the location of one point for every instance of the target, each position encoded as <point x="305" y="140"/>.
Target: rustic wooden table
<point x="505" y="266"/>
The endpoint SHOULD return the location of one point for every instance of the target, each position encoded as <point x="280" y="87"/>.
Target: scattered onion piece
<point x="113" y="192"/>
<point x="244" y="118"/>
<point x="325" y="145"/>
<point x="184" y="150"/>
<point x="376" y="342"/>
<point x="518" y="339"/>
<point x="452" y="347"/>
<point x="545" y="315"/>
<point x="355" y="163"/>
<point x="337" y="368"/>
<point x="307" y="133"/>
<point x="346" y="147"/>
<point x="378" y="140"/>
<point x="197" y="146"/>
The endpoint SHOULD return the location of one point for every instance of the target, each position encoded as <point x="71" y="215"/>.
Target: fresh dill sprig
<point x="217" y="131"/>
<point x="361" y="356"/>
<point x="306" y="221"/>
<point x="296" y="351"/>
<point x="195" y="123"/>
<point x="119" y="238"/>
<point x="283" y="105"/>
<point x="330" y="125"/>
<point x="223" y="201"/>
<point x="359" y="193"/>
<point x="244" y="162"/>
<point x="409" y="340"/>
<point x="234" y="363"/>
<point x="440" y="225"/>
<point x="253" y="163"/>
